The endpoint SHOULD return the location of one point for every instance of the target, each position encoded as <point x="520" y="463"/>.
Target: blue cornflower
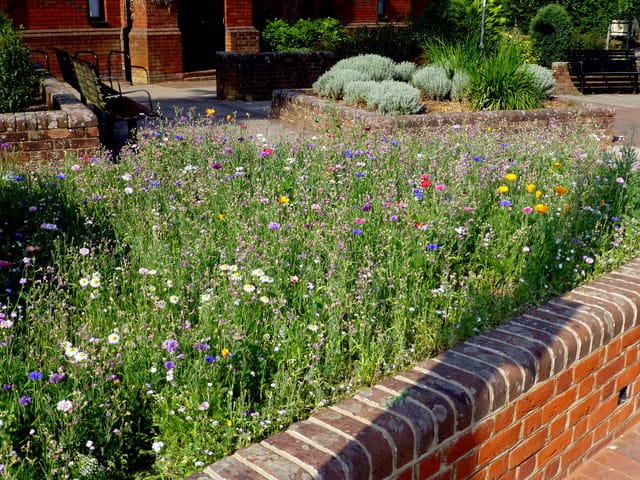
<point x="417" y="194"/>
<point x="169" y="365"/>
<point x="35" y="375"/>
<point x="209" y="359"/>
<point x="154" y="183"/>
<point x="356" y="231"/>
<point x="24" y="400"/>
<point x="505" y="203"/>
<point x="477" y="159"/>
<point x="359" y="175"/>
<point x="431" y="246"/>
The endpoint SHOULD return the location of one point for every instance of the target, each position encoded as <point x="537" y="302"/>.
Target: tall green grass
<point x="214" y="286"/>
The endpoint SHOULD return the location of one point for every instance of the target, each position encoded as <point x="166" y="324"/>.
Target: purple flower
<point x="154" y="183"/>
<point x="417" y="193"/>
<point x="209" y="359"/>
<point x="60" y="176"/>
<point x="201" y="346"/>
<point x="24" y="400"/>
<point x="393" y="218"/>
<point x="274" y="226"/>
<point x="356" y="231"/>
<point x="56" y="377"/>
<point x="169" y="365"/>
<point x="216" y="166"/>
<point x="477" y="159"/>
<point x="170" y="345"/>
<point x="366" y="207"/>
<point x="35" y="375"/>
<point x="359" y="175"/>
<point x="432" y="246"/>
<point x="505" y="203"/>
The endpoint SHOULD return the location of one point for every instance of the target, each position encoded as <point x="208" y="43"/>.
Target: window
<point x="96" y="10"/>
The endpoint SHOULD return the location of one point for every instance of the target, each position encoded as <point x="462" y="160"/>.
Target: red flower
<point x="424" y="181"/>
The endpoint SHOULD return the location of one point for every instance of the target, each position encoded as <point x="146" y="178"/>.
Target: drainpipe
<point x="380" y="9"/>
<point x="125" y="40"/>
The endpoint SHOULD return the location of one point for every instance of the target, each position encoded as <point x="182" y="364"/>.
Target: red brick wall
<point x="238" y="13"/>
<point x="57" y="14"/>
<point x="532" y="399"/>
<point x="70" y="129"/>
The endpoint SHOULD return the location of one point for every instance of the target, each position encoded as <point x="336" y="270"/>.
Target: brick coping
<point x="300" y="107"/>
<point x="531" y="399"/>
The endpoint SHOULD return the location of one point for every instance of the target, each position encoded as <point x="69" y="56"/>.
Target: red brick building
<point x="165" y="38"/>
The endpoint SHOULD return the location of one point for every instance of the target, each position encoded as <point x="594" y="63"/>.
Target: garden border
<point x="300" y="108"/>
<point x="532" y="399"/>
<point x="48" y="135"/>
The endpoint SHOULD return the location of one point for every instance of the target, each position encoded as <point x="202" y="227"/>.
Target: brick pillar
<point x="239" y="33"/>
<point x="155" y="42"/>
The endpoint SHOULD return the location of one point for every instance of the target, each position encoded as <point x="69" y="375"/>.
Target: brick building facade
<point x="165" y="38"/>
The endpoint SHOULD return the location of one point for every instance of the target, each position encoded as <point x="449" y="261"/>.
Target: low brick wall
<point x="565" y="84"/>
<point x="299" y="108"/>
<point x="531" y="399"/>
<point x="253" y="76"/>
<point x="69" y="127"/>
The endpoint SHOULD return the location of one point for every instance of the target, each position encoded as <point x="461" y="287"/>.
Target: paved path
<point x="620" y="460"/>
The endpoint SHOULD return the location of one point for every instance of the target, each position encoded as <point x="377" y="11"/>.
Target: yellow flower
<point x="538" y="193"/>
<point x="503" y="189"/>
<point x="541" y="208"/>
<point x="566" y="209"/>
<point x="220" y="216"/>
<point x="283" y="199"/>
<point x="229" y="423"/>
<point x="225" y="352"/>
<point x="510" y="177"/>
<point x="560" y="190"/>
<point x="531" y="187"/>
<point x="557" y="164"/>
<point x="210" y="112"/>
<point x="229" y="118"/>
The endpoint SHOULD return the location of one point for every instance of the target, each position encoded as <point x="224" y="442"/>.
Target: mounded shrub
<point x="375" y="67"/>
<point x="361" y="92"/>
<point x="404" y="71"/>
<point x="460" y="86"/>
<point x="432" y="81"/>
<point x="331" y="83"/>
<point x="542" y="77"/>
<point x="550" y="33"/>
<point x="304" y="34"/>
<point x="397" y="98"/>
<point x="19" y="82"/>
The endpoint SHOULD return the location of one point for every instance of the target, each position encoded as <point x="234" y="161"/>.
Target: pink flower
<point x="440" y="188"/>
<point x="360" y="221"/>
<point x="4" y="263"/>
<point x="527" y="210"/>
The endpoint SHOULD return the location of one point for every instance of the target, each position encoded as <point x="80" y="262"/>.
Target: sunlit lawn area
<point x="214" y="286"/>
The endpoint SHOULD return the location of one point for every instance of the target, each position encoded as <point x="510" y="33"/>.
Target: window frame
<point x="92" y="15"/>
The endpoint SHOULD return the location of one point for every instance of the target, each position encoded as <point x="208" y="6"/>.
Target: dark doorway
<point x="201" y="23"/>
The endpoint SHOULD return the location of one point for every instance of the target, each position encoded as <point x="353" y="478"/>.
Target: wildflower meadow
<point x="213" y="286"/>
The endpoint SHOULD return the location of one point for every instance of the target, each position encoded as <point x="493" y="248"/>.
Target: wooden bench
<point x="602" y="71"/>
<point x="112" y="104"/>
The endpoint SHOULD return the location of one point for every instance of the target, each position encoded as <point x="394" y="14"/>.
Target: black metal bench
<point x="111" y="104"/>
<point x="602" y="71"/>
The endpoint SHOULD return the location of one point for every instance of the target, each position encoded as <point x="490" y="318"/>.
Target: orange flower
<point x="541" y="208"/>
<point x="560" y="190"/>
<point x="210" y="112"/>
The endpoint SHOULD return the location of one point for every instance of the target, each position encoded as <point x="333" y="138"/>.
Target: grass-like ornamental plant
<point x="373" y="66"/>
<point x="501" y="83"/>
<point x="214" y="285"/>
<point x="396" y="98"/>
<point x="432" y="81"/>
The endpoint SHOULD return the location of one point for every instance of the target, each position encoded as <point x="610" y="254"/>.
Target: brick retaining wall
<point x="531" y="399"/>
<point x="299" y="108"/>
<point x="68" y="128"/>
<point x="253" y="76"/>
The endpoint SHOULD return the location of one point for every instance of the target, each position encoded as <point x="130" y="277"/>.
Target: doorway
<point x="201" y="23"/>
